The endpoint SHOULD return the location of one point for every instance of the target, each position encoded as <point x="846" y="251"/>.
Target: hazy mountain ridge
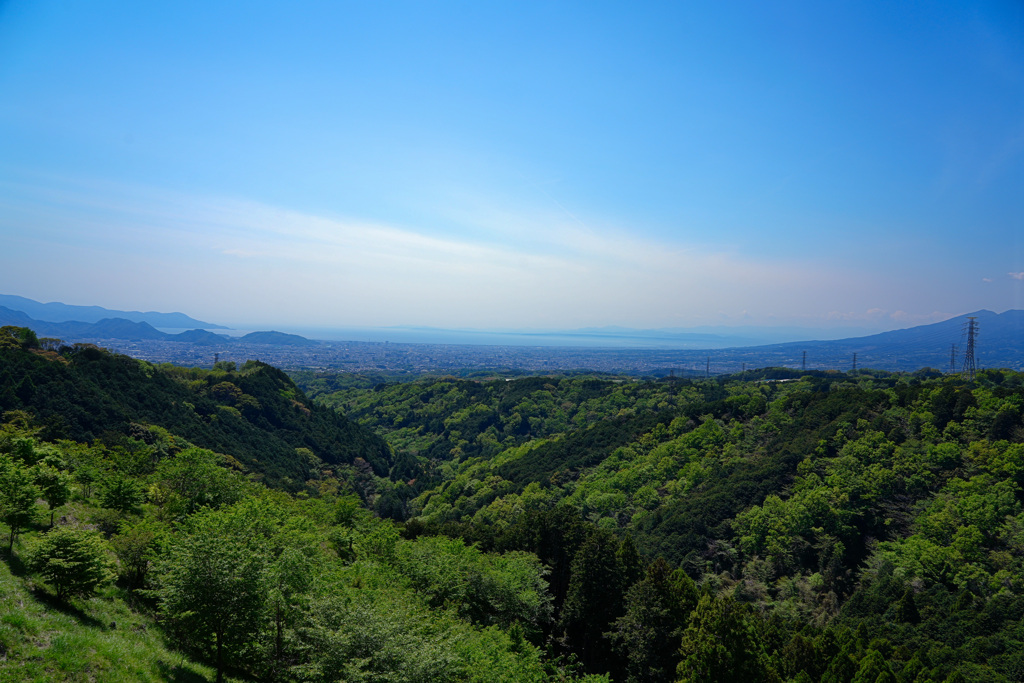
<point x="58" y="312"/>
<point x="999" y="342"/>
<point x="107" y="328"/>
<point x="121" y="328"/>
<point x="1001" y="327"/>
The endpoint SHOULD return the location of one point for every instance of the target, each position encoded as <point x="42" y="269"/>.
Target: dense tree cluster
<point x="260" y="583"/>
<point x="778" y="526"/>
<point x="837" y="527"/>
<point x="257" y="582"/>
<point x="255" y="413"/>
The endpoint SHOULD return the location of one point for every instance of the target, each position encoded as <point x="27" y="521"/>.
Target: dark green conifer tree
<point x="593" y="601"/>
<point x="720" y="646"/>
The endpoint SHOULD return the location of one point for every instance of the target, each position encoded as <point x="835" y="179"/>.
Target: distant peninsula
<point x="276" y="338"/>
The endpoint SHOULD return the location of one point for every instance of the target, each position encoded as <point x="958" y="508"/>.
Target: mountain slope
<point x="256" y="414"/>
<point x="999" y="344"/>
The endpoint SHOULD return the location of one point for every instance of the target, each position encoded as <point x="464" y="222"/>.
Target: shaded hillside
<point x="256" y="414"/>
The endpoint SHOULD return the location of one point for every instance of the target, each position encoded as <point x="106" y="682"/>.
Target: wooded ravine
<point x="240" y="523"/>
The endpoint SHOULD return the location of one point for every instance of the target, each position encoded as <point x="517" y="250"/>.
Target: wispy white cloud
<point x="498" y="267"/>
<point x="1017" y="276"/>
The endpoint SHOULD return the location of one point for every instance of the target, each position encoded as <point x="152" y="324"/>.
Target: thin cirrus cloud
<point x="1017" y="276"/>
<point x="558" y="273"/>
<point x="526" y="268"/>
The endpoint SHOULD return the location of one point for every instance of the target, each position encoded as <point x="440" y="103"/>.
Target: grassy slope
<point x="95" y="639"/>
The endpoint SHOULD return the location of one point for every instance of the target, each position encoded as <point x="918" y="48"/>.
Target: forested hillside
<point x="835" y="527"/>
<point x="167" y="523"/>
<point x="254" y="413"/>
<point x="133" y="551"/>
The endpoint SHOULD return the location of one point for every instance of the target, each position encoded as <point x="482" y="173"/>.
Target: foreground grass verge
<point x="95" y="639"/>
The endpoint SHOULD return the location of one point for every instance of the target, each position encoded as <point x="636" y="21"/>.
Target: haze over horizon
<point x="515" y="166"/>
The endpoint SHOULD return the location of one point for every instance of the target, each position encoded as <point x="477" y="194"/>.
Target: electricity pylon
<point x="972" y="336"/>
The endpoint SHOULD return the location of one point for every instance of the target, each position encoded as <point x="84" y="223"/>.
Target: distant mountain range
<point x="999" y="330"/>
<point x="938" y="345"/>
<point x="1000" y="343"/>
<point x="128" y="330"/>
<point x="58" y="313"/>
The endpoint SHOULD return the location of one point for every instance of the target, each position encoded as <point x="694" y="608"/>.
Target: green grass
<point x="96" y="639"/>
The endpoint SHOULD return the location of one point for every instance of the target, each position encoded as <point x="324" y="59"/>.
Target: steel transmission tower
<point x="952" y="358"/>
<point x="971" y="332"/>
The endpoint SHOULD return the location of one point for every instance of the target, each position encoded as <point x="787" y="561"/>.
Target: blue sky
<point x="536" y="165"/>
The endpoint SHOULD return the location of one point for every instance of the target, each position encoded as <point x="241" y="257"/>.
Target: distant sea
<point x="611" y="338"/>
<point x="403" y="335"/>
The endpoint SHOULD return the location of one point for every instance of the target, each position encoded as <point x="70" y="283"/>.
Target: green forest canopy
<point x="775" y="526"/>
